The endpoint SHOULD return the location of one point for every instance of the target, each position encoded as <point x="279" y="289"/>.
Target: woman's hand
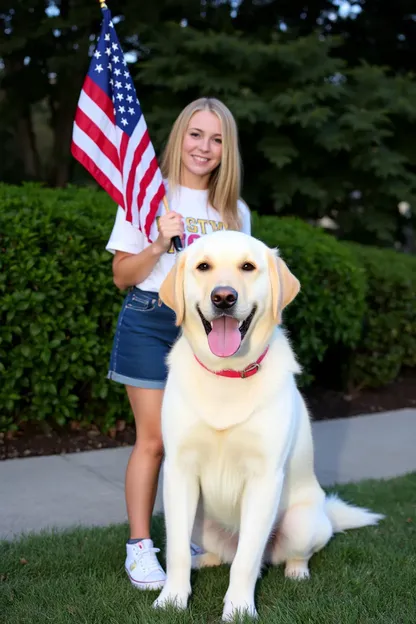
<point x="170" y="225"/>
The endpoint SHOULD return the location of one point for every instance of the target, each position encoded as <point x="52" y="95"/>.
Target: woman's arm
<point x="130" y="268"/>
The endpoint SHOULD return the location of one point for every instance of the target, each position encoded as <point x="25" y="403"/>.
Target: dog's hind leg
<point x="206" y="560"/>
<point x="303" y="531"/>
<point x="219" y="544"/>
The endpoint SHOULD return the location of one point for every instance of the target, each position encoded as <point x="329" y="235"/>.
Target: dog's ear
<point x="285" y="286"/>
<point x="171" y="290"/>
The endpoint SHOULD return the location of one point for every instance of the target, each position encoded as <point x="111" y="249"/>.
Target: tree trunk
<point x="26" y="141"/>
<point x="64" y="106"/>
<point x="21" y="113"/>
<point x="63" y="103"/>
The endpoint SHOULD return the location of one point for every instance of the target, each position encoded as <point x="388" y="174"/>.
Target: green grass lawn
<point x="363" y="576"/>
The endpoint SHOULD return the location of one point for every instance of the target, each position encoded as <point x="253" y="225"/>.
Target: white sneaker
<point x="196" y="550"/>
<point x="143" y="567"/>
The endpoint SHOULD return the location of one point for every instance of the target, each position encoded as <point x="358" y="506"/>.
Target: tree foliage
<point x="317" y="138"/>
<point x="325" y="128"/>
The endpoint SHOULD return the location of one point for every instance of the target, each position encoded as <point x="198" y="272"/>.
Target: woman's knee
<point x="146" y="405"/>
<point x="150" y="445"/>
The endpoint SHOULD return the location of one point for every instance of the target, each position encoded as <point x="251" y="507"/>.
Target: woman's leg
<point x="144" y="463"/>
<point x="142" y="565"/>
<point x="145" y="460"/>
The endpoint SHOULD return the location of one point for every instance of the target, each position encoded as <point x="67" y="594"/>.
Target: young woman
<point x="201" y="170"/>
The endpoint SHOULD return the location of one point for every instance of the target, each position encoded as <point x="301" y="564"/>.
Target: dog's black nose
<point x="224" y="297"/>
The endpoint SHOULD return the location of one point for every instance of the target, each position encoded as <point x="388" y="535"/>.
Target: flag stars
<point x="108" y="59"/>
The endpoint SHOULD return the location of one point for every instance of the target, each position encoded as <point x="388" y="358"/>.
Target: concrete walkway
<point x="88" y="488"/>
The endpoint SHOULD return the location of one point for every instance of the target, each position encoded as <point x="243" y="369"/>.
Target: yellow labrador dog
<point x="236" y="430"/>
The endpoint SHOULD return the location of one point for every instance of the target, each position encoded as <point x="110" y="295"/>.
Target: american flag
<point x="110" y="137"/>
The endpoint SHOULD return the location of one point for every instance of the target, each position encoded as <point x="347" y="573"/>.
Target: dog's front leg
<point x="259" y="507"/>
<point x="180" y="500"/>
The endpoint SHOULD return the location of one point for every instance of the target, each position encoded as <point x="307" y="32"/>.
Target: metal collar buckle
<point x="253" y="367"/>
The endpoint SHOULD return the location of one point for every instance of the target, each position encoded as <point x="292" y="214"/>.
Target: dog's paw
<point x="170" y="598"/>
<point x="297" y="569"/>
<point x="235" y="609"/>
<point x="207" y="560"/>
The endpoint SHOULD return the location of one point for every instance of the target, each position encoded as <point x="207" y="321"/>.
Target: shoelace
<point x="149" y="561"/>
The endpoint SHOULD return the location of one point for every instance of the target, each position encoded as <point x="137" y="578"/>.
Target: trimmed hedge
<point x="59" y="306"/>
<point x="330" y="306"/>
<point x="388" y="339"/>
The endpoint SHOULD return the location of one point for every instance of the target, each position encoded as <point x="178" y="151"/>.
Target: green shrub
<point x="58" y="307"/>
<point x="329" y="308"/>
<point x="389" y="330"/>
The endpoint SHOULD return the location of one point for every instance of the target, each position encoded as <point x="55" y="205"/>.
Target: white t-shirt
<point x="199" y="219"/>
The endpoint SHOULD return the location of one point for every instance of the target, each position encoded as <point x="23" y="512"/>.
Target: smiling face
<point x="228" y="290"/>
<point x="201" y="147"/>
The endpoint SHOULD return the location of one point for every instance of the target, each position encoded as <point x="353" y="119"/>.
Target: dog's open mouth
<point x="226" y="333"/>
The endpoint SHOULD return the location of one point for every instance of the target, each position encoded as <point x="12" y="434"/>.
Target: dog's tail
<point x="344" y="516"/>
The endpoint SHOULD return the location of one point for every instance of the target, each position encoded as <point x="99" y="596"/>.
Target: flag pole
<point x="176" y="241"/>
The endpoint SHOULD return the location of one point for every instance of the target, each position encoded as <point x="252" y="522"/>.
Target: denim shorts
<point x="144" y="335"/>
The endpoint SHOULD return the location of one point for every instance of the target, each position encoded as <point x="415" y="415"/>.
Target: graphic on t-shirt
<point x="195" y="228"/>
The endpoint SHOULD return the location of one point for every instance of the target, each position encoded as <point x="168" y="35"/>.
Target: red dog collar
<point x="247" y="372"/>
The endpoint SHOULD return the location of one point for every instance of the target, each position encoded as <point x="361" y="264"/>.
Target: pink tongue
<point x="224" y="338"/>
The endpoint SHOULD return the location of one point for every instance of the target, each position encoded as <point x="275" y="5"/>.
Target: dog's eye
<point x="203" y="266"/>
<point x="247" y="266"/>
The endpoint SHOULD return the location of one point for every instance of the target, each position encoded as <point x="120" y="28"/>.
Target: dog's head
<point x="228" y="290"/>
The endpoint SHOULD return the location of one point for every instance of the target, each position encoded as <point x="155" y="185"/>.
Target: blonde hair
<point x="225" y="181"/>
